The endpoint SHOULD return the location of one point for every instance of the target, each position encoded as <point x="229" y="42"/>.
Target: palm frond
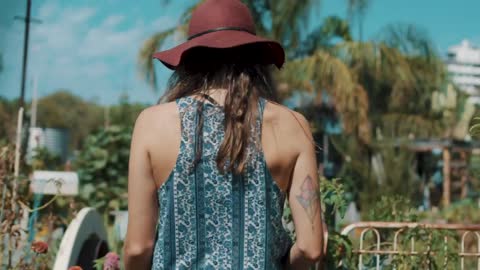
<point x="325" y="36"/>
<point x="324" y="72"/>
<point x="187" y="14"/>
<point x="409" y="39"/>
<point x="356" y="8"/>
<point x="427" y="72"/>
<point x="145" y="56"/>
<point x="289" y="19"/>
<point x="321" y="70"/>
<point x="259" y="10"/>
<point x="394" y="81"/>
<point x="356" y="11"/>
<point x="152" y="44"/>
<point x="378" y="61"/>
<point x="403" y="125"/>
<point x="399" y="87"/>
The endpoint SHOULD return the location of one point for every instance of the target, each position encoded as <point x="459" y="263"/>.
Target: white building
<point x="464" y="66"/>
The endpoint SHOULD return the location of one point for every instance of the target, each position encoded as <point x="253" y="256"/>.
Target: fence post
<point x="446" y="177"/>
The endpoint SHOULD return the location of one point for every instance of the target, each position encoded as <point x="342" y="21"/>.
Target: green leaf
<point x="87" y="190"/>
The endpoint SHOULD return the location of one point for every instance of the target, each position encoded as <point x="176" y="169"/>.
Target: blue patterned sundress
<point x="210" y="220"/>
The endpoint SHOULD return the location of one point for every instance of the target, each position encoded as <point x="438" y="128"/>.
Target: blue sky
<point x="90" y="47"/>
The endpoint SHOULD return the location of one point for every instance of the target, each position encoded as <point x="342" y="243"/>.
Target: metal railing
<point x="384" y="253"/>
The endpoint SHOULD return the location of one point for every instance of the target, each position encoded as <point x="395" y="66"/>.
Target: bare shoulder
<point x="158" y="114"/>
<point x="157" y="121"/>
<point x="287" y="121"/>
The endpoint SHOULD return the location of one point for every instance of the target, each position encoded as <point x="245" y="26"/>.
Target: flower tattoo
<point x="309" y="198"/>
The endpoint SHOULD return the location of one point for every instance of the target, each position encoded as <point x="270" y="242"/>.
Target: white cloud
<point x="82" y="49"/>
<point x="163" y="23"/>
<point x="77" y="15"/>
<point x="61" y="32"/>
<point x="113" y="20"/>
<point x="95" y="69"/>
<point x="105" y="41"/>
<point x="47" y="10"/>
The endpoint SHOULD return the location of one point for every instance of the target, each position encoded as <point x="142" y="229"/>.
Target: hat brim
<point x="172" y="58"/>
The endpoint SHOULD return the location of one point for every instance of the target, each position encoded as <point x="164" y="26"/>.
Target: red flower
<point x="39" y="247"/>
<point x="76" y="267"/>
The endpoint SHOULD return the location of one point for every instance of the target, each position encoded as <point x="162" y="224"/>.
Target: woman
<point x="210" y="168"/>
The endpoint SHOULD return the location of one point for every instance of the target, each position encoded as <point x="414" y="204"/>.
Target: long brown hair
<point x="246" y="80"/>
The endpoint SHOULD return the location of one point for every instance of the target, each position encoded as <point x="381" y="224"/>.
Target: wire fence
<point x="387" y="245"/>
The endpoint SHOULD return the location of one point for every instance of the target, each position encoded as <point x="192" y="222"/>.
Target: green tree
<point x="125" y="113"/>
<point x="386" y="89"/>
<point x="400" y="72"/>
<point x="401" y="94"/>
<point x="62" y="109"/>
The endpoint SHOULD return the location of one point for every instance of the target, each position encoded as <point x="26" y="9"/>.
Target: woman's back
<point x="210" y="220"/>
<point x="283" y="132"/>
<point x="206" y="218"/>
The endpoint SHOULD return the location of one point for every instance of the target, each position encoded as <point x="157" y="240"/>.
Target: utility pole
<point x="27" y="19"/>
<point x="33" y="119"/>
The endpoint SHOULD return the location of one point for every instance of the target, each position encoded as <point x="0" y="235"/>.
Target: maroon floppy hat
<point x="222" y="24"/>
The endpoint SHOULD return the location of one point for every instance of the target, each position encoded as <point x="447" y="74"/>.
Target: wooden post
<point x="464" y="176"/>
<point x="16" y="169"/>
<point x="446" y="177"/>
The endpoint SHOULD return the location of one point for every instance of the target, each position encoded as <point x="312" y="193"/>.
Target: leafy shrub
<point x="102" y="166"/>
<point x="465" y="211"/>
<point x="395" y="209"/>
<point x="429" y="243"/>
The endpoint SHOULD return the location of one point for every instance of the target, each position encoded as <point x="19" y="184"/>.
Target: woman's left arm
<point x="142" y="201"/>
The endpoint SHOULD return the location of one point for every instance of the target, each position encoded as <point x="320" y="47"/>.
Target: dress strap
<point x="259" y="125"/>
<point x="211" y="100"/>
<point x="261" y="107"/>
<point x="188" y="114"/>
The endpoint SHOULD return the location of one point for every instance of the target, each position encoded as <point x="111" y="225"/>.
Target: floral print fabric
<point x="210" y="220"/>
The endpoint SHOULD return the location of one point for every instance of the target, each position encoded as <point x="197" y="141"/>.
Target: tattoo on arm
<point x="309" y="198"/>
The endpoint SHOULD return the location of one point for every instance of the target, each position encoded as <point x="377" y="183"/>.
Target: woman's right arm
<point x="304" y="200"/>
<point x="142" y="199"/>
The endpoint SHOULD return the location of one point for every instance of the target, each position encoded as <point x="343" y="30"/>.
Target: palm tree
<point x="312" y="68"/>
<point x="400" y="72"/>
<point x="357" y="9"/>
<point x="369" y="81"/>
<point x="411" y="96"/>
<point x="347" y="70"/>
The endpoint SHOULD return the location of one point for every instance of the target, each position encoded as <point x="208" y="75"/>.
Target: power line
<point x="27" y="19"/>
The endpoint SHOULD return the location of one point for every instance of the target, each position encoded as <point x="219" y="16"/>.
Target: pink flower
<point x="112" y="261"/>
